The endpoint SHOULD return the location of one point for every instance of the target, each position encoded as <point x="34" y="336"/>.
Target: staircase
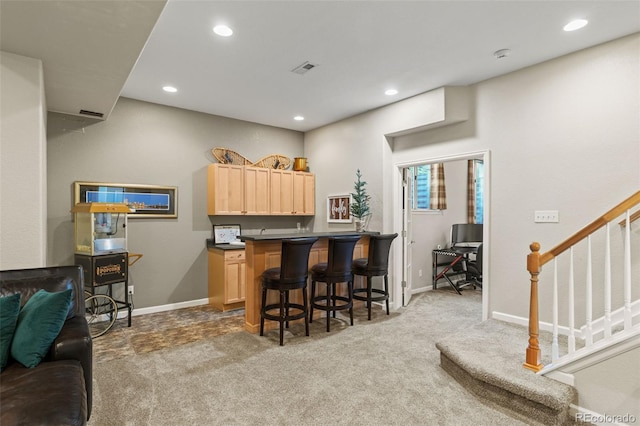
<point x="496" y="376"/>
<point x="571" y="341"/>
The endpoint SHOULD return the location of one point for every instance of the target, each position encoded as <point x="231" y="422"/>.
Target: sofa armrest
<point x="74" y="342"/>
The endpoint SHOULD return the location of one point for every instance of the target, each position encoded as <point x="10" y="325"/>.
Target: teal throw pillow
<point x="39" y="323"/>
<point x="9" y="311"/>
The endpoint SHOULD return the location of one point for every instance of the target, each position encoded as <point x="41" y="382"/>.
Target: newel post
<point x="533" y="355"/>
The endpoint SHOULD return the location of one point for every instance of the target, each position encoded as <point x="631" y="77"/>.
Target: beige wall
<point x="23" y="156"/>
<point x="144" y="143"/>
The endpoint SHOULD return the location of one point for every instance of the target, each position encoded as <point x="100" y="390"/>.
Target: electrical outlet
<point x="420" y="272"/>
<point x="130" y="289"/>
<point x="545" y="216"/>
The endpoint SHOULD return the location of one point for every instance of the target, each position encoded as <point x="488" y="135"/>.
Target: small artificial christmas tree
<point x="360" y="205"/>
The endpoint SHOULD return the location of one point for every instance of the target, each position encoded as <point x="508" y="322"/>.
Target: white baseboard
<point x="543" y="326"/>
<point x="168" y="307"/>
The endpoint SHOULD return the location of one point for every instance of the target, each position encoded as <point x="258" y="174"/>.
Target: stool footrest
<point x="289" y="317"/>
<point x="327" y="307"/>
<point x="384" y="296"/>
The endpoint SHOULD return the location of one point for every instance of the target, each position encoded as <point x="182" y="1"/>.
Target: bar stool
<point x="291" y="275"/>
<point x="377" y="264"/>
<point x="336" y="270"/>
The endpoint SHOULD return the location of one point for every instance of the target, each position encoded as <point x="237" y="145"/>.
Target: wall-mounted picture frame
<point x="339" y="208"/>
<point x="147" y="201"/>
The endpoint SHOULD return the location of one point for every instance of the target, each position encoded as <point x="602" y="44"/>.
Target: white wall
<point x="562" y="135"/>
<point x="144" y="143"/>
<point x="23" y="154"/>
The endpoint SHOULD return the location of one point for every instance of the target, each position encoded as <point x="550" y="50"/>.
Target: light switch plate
<point x="546" y="216"/>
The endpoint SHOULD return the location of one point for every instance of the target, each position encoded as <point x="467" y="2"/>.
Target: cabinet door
<point x="234" y="282"/>
<point x="256" y="190"/>
<point x="225" y="189"/>
<point x="304" y="194"/>
<point x="281" y="192"/>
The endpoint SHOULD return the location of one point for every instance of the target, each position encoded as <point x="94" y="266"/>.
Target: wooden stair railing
<point x="535" y="261"/>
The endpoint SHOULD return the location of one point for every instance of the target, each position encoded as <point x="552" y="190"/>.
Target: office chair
<point x="474" y="270"/>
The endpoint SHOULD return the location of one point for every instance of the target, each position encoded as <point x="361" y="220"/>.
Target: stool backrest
<point x="294" y="263"/>
<point x="379" y="247"/>
<point x="340" y="255"/>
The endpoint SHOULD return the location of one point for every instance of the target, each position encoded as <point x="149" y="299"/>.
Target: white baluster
<point x="589" y="296"/>
<point x="627" y="273"/>
<point x="572" y="336"/>
<point x="554" y="345"/>
<point x="607" y="283"/>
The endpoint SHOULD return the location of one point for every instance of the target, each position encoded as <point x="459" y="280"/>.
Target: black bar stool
<point x="377" y="264"/>
<point x="336" y="270"/>
<point x="291" y="275"/>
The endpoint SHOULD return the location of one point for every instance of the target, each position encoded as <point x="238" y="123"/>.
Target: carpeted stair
<point x="487" y="359"/>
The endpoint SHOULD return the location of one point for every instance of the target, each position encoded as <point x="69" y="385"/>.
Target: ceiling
<point x="361" y="48"/>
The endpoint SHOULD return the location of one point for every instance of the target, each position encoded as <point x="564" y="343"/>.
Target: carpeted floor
<point x="383" y="372"/>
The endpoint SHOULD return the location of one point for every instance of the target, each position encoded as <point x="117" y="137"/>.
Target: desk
<point x="453" y="257"/>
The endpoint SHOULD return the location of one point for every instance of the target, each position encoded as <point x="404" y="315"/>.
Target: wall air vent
<point x="91" y="113"/>
<point x="304" y="68"/>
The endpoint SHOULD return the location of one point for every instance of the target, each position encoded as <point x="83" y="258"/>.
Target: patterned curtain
<point x="471" y="192"/>
<point x="438" y="189"/>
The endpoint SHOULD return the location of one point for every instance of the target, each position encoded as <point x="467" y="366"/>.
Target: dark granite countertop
<point x="267" y="237"/>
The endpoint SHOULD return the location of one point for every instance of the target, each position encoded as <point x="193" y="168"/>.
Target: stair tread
<point x="489" y="351"/>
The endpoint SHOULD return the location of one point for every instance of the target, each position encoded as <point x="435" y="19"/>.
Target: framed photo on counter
<point x="339" y="208"/>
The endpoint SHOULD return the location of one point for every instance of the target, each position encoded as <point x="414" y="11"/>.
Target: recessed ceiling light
<point x="170" y="89"/>
<point x="298" y="118"/>
<point x="222" y="30"/>
<point x="576" y="24"/>
<point x="390" y="92"/>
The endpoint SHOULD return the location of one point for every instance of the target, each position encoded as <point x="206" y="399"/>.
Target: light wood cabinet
<point x="281" y="192"/>
<point x="304" y="194"/>
<point x="237" y="190"/>
<point x="292" y="193"/>
<point x="227" y="279"/>
<point x="225" y="189"/>
<point x="256" y="191"/>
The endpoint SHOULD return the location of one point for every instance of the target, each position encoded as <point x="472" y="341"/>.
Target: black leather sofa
<point x="58" y="390"/>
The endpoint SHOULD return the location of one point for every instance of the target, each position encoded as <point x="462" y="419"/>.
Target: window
<point x="476" y="196"/>
<point x="427" y="187"/>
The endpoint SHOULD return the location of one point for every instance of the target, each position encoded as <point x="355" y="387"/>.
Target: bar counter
<point x="263" y="252"/>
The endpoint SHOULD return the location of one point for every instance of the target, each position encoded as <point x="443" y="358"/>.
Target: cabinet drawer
<point x="234" y="255"/>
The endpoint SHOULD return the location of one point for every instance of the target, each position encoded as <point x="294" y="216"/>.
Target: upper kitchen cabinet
<point x="292" y="193"/>
<point x="304" y="194"/>
<point x="237" y="190"/>
<point x="281" y="192"/>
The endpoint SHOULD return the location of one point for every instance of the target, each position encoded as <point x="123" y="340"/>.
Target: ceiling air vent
<point x="304" y="68"/>
<point x="91" y="113"/>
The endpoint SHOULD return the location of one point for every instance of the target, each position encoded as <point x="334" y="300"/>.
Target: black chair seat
<point x="360" y="266"/>
<point x="291" y="275"/>
<point x="376" y="264"/>
<point x="336" y="270"/>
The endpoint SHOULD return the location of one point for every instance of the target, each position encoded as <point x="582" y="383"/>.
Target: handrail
<point x="591" y="228"/>
<point x="634" y="216"/>
<point x="535" y="261"/>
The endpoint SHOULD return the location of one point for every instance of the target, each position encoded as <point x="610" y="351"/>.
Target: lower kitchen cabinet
<point x="226" y="278"/>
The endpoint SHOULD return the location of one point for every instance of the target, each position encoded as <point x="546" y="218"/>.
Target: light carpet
<point x="380" y="372"/>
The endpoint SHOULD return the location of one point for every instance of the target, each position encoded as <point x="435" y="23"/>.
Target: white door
<point x="407" y="237"/>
